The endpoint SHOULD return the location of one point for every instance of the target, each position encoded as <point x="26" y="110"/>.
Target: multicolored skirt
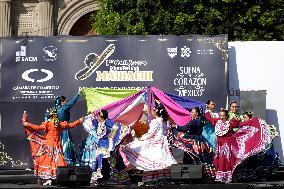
<point x="197" y="150"/>
<point x="88" y="151"/>
<point x="259" y="166"/>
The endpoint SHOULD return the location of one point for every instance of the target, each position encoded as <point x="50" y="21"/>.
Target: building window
<point x="26" y="19"/>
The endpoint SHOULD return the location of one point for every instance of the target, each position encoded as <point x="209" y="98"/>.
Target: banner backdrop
<point x="34" y="70"/>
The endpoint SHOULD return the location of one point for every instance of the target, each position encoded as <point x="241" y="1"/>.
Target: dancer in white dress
<point x="151" y="152"/>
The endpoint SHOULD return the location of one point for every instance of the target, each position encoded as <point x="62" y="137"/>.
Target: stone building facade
<point x="46" y="17"/>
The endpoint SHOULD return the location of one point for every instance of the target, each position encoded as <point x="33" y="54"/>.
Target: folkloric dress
<point x="47" y="150"/>
<point x="66" y="138"/>
<point x="237" y="118"/>
<point x="233" y="148"/>
<point x="101" y="140"/>
<point x="209" y="128"/>
<point x="211" y="116"/>
<point x="151" y="152"/>
<point x="197" y="149"/>
<point x="262" y="164"/>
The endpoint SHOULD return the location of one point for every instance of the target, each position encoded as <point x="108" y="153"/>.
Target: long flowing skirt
<point x="209" y="134"/>
<point x="92" y="149"/>
<point x="68" y="147"/>
<point x="148" y="155"/>
<point x="120" y="173"/>
<point x="47" y="155"/>
<point x="123" y="171"/>
<point x="88" y="149"/>
<point x="259" y="166"/>
<point x="197" y="151"/>
<point x="246" y="142"/>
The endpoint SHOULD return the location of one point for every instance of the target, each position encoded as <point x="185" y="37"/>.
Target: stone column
<point x="5" y="18"/>
<point x="45" y="17"/>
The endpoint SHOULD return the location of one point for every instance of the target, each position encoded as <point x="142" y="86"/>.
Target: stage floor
<point x="26" y="179"/>
<point x="255" y="185"/>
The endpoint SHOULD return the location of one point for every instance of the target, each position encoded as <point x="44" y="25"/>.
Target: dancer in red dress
<point x="261" y="165"/>
<point x="233" y="148"/>
<point x="47" y="150"/>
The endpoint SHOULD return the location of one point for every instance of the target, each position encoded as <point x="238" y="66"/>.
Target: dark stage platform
<point x="26" y="179"/>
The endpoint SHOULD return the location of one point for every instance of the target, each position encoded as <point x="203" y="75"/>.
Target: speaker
<point x="73" y="175"/>
<point x="186" y="171"/>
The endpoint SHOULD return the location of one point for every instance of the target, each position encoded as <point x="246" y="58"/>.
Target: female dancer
<point x="47" y="150"/>
<point x="95" y="150"/>
<point x="151" y="152"/>
<point x="211" y="120"/>
<point x="190" y="139"/>
<point x="63" y="109"/>
<point x="233" y="148"/>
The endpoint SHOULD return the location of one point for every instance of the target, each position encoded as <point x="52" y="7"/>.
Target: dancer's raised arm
<point x="65" y="125"/>
<point x="25" y="122"/>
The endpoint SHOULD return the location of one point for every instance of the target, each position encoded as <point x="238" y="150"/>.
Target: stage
<point x="257" y="185"/>
<point x="26" y="179"/>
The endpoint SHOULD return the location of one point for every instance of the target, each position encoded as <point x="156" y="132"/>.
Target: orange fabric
<point x="47" y="150"/>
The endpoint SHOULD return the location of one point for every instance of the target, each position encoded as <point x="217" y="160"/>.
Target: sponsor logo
<point x="21" y="56"/>
<point x="50" y="53"/>
<point x="172" y="52"/>
<point x="185" y="52"/>
<point x="49" y="75"/>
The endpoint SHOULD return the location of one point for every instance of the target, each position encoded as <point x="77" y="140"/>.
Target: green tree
<point x="240" y="19"/>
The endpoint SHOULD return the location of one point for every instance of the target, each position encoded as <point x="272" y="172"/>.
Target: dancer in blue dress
<point x="63" y="109"/>
<point x="211" y="119"/>
<point x="102" y="139"/>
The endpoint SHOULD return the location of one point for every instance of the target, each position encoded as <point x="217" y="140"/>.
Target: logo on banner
<point x="185" y="52"/>
<point x="190" y="81"/>
<point x="119" y="70"/>
<point x="21" y="56"/>
<point x="49" y="75"/>
<point x="93" y="62"/>
<point x="35" y="90"/>
<point x="50" y="53"/>
<point x="172" y="52"/>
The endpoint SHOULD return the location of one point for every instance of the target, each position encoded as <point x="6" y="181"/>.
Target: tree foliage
<point x="240" y="19"/>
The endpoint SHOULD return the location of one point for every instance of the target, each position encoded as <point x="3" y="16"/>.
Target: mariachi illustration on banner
<point x="36" y="69"/>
